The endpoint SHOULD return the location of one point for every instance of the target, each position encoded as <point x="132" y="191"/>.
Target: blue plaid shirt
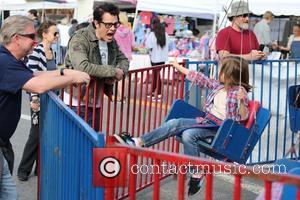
<point x="215" y="86"/>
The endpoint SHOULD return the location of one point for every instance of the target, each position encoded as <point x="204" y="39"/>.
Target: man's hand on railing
<point x="78" y="76"/>
<point x="119" y="74"/>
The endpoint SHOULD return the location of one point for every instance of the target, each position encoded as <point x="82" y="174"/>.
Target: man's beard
<point x="244" y="26"/>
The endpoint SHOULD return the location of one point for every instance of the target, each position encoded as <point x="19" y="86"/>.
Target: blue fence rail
<point x="270" y="80"/>
<point x="66" y="144"/>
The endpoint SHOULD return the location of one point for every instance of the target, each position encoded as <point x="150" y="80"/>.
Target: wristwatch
<point x="62" y="71"/>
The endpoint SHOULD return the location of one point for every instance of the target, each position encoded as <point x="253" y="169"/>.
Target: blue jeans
<point x="8" y="189"/>
<point x="190" y="136"/>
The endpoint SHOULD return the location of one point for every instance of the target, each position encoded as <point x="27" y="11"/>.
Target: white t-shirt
<point x="291" y="39"/>
<point x="157" y="54"/>
<point x="103" y="51"/>
<point x="63" y="34"/>
<point x="219" y="106"/>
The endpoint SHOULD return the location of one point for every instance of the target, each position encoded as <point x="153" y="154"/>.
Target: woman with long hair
<point x="158" y="45"/>
<point x="41" y="59"/>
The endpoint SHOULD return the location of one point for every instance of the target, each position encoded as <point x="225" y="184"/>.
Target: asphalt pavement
<point x="27" y="190"/>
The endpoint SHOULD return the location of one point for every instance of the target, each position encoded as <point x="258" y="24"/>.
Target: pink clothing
<point x="125" y="39"/>
<point x="146" y="17"/>
<point x="230" y="40"/>
<point x="170" y="21"/>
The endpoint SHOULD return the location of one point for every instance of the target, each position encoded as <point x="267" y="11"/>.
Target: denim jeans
<point x="8" y="189"/>
<point x="89" y="115"/>
<point x="182" y="126"/>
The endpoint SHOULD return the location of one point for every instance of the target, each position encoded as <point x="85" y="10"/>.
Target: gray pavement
<point x="26" y="190"/>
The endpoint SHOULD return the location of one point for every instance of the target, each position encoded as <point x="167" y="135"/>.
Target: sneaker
<point x="22" y="177"/>
<point x="150" y="95"/>
<point x="124" y="138"/>
<point x="195" y="185"/>
<point x="158" y="98"/>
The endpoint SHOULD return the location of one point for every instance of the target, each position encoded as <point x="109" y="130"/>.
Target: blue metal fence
<point x="270" y="80"/>
<point x="66" y="144"/>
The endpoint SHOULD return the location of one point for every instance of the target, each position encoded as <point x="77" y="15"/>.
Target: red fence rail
<point x="159" y="157"/>
<point x="137" y="114"/>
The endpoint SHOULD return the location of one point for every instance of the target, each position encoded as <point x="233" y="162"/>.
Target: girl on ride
<point x="227" y="99"/>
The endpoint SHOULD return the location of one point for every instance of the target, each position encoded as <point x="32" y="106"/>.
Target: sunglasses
<point x="29" y="35"/>
<point x="109" y="25"/>
<point x="56" y="34"/>
<point x="244" y="15"/>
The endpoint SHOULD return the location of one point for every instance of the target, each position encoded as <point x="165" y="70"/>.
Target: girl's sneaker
<point x="125" y="138"/>
<point x="195" y="185"/>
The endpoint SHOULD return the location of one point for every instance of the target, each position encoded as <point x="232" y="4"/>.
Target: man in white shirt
<point x="263" y="32"/>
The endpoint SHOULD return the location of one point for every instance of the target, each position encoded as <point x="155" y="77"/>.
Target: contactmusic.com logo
<point x="109" y="167"/>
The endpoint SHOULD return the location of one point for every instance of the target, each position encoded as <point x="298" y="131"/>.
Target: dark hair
<point x="33" y="12"/>
<point x="160" y="34"/>
<point x="230" y="18"/>
<point x="297" y="25"/>
<point x="44" y="27"/>
<point x="231" y="68"/>
<point x="81" y="25"/>
<point x="74" y="21"/>
<point x="107" y="7"/>
<point x="196" y="32"/>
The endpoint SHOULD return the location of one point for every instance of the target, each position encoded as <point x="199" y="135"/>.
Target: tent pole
<point x="214" y="28"/>
<point x="135" y="16"/>
<point x="43" y="14"/>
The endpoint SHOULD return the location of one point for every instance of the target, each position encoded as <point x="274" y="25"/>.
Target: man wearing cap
<point x="237" y="39"/>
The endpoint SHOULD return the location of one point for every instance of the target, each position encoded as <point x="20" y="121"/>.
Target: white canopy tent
<point x="278" y="7"/>
<point x="23" y="5"/>
<point x="204" y="9"/>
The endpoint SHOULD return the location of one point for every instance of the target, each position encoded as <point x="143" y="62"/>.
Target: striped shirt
<point x="37" y="59"/>
<point x="232" y="111"/>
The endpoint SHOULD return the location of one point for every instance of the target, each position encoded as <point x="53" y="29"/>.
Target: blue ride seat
<point x="233" y="141"/>
<point x="294" y="112"/>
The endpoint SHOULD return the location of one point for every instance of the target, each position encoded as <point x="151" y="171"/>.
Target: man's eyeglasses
<point x="244" y="15"/>
<point x="109" y="25"/>
<point x="29" y="35"/>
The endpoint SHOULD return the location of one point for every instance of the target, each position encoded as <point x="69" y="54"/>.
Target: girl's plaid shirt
<point x="214" y="86"/>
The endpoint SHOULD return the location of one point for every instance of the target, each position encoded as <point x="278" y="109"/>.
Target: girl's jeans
<point x="190" y="136"/>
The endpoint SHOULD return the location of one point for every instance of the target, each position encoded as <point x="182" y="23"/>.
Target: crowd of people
<point x="103" y="49"/>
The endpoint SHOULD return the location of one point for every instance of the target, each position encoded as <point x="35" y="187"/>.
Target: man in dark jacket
<point x="94" y="51"/>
